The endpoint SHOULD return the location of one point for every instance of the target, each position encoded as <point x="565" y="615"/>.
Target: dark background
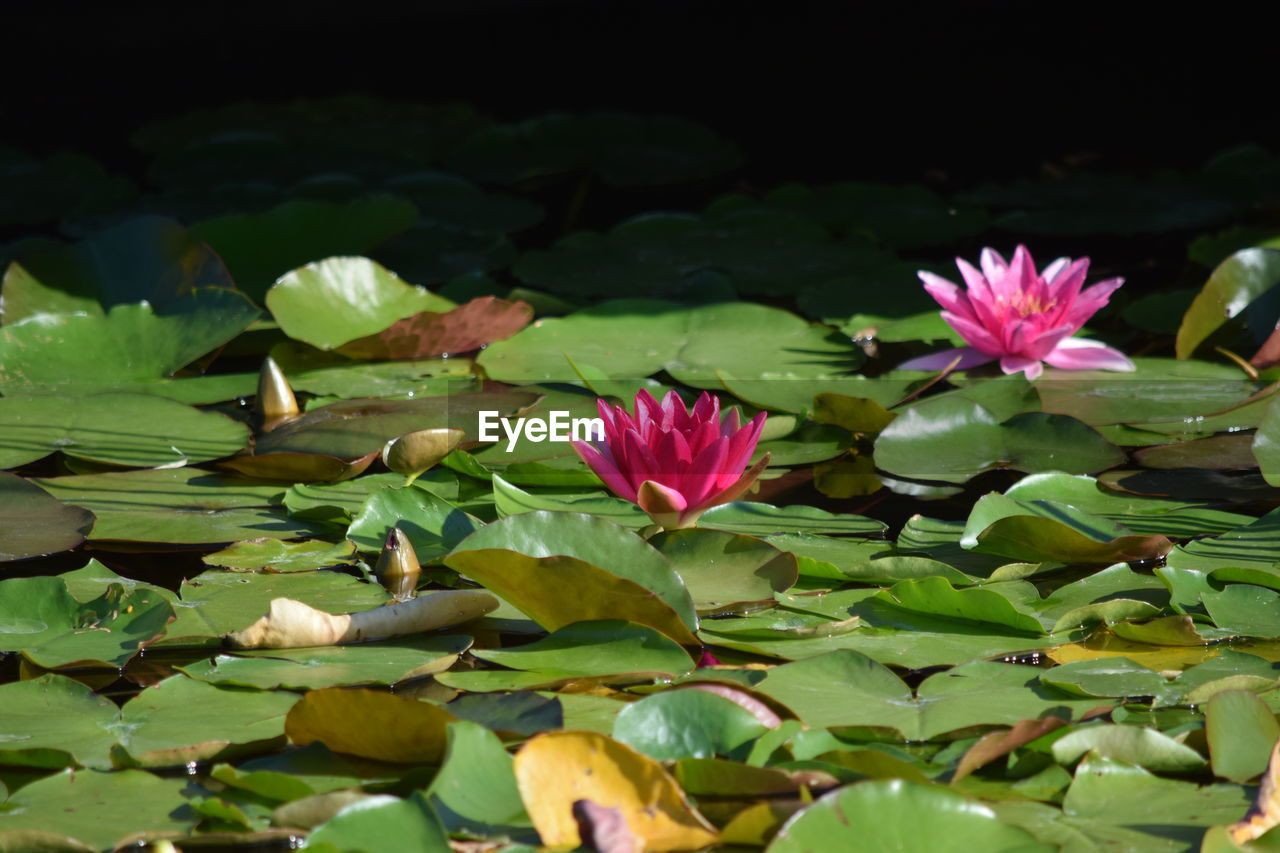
<point x="811" y="90"/>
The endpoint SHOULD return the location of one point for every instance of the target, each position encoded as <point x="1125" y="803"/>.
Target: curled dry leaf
<point x="1002" y="742"/>
<point x="291" y="624"/>
<point x="1265" y="812"/>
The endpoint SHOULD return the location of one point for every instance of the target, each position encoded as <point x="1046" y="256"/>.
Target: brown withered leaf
<point x="428" y="334"/>
<point x="1002" y="742"/>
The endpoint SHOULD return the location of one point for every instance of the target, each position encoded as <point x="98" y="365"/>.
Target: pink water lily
<point x="1021" y="317"/>
<point x="675" y="463"/>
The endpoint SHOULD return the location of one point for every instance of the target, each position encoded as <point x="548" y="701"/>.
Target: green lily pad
<point x="383" y="824"/>
<point x="99" y="808"/>
<point x="330" y="302"/>
<point x="350" y="429"/>
<point x="1235" y="285"/>
<point x="1163" y="394"/>
<point x="475" y="791"/>
<point x="591" y="649"/>
<point x="53" y="630"/>
<point x="135" y="430"/>
<point x="761" y="519"/>
<point x="260" y="247"/>
<point x="1241" y="730"/>
<point x="1120" y="677"/>
<point x="132" y="343"/>
<point x="1250" y="546"/>
<point x="1114" y="792"/>
<point x="1140" y="514"/>
<point x="182" y="506"/>
<point x="181" y="720"/>
<point x="273" y="555"/>
<point x="1244" y="609"/>
<point x="333" y="666"/>
<point x="845" y="688"/>
<point x="1136" y="745"/>
<point x="551" y="566"/>
<point x="1046" y="530"/>
<point x="954" y="439"/>
<point x="890" y="814"/>
<point x="434" y="526"/>
<point x="512" y="500"/>
<point x="33" y="523"/>
<point x="690" y="343"/>
<point x="53" y="721"/>
<point x="685" y="723"/>
<point x="149" y="259"/>
<point x="216" y="603"/>
<point x="723" y="570"/>
<point x="936" y="596"/>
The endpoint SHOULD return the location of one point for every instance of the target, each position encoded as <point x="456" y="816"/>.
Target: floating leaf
<point x="98" y="808"/>
<point x="953" y="439"/>
<point x="1045" y="530"/>
<point x="274" y="555"/>
<point x="132" y="343"/>
<point x="1242" y="731"/>
<point x="333" y="666"/>
<point x="53" y="630"/>
<point x="53" y="721"/>
<point x="331" y="302"/>
<point x="149" y="259"/>
<point x="550" y="565"/>
<point x="390" y="728"/>
<point x="183" y="505"/>
<point x="761" y="519"/>
<point x="554" y="770"/>
<point x="594" y="649"/>
<point x="895" y="814"/>
<point x="1236" y="284"/>
<point x="181" y="720"/>
<point x="33" y="523"/>
<point x="723" y="570"/>
<point x="384" y="824"/>
<point x="685" y="723"/>
<point x="475" y="790"/>
<point x="136" y="430"/>
<point x="1136" y="745"/>
<point x="434" y="526"/>
<point x="690" y="343"/>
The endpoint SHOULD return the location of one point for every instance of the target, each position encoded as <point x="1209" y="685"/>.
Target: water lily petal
<point x="974" y="335"/>
<point x="969" y="357"/>
<point x="993" y="265"/>
<point x="948" y="295"/>
<point x="664" y="505"/>
<point x="1018" y="364"/>
<point x="602" y="463"/>
<point x="1083" y="354"/>
<point x="1091" y="300"/>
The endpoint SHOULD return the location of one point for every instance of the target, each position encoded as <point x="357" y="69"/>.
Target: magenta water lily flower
<point x="675" y="463"/>
<point x="1023" y="318"/>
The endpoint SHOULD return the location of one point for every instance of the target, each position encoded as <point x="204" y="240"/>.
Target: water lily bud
<point x="275" y="396"/>
<point x="420" y="450"/>
<point x="398" y="568"/>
